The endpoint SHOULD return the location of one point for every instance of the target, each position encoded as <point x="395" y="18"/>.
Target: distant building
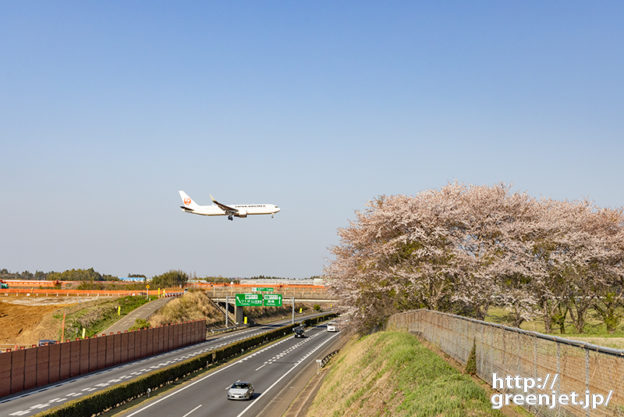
<point x="132" y="279"/>
<point x="284" y="281"/>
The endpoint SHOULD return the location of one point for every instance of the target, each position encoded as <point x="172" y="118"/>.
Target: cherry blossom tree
<point x="465" y="248"/>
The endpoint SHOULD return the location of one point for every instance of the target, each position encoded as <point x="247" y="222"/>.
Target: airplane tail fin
<point x="187" y="201"/>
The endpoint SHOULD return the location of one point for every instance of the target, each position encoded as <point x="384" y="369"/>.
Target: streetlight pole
<point x="293" y="310"/>
<point x="227" y="307"/>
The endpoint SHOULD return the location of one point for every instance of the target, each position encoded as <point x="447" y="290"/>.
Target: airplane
<point x="219" y="209"/>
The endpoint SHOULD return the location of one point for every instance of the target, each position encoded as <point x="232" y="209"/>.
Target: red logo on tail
<point x="187" y="201"/>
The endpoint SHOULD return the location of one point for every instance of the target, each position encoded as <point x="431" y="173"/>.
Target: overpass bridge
<point x="227" y="304"/>
<point x="300" y="292"/>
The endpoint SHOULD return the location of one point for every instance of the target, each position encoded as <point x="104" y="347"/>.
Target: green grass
<point x="396" y="375"/>
<point x="594" y="326"/>
<point x="99" y="315"/>
<point x="140" y="324"/>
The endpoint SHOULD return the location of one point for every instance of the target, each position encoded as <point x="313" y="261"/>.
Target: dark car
<point x="299" y="331"/>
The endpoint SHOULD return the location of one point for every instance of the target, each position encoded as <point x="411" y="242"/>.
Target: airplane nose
<point x="277" y="209"/>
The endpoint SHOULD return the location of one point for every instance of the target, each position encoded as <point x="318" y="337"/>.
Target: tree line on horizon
<point x="90" y="277"/>
<point x="463" y="249"/>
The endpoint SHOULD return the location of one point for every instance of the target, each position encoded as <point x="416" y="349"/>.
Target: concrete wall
<point x="34" y="367"/>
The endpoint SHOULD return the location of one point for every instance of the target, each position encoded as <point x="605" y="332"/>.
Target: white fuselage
<point x="230" y="210"/>
<point x="244" y="209"/>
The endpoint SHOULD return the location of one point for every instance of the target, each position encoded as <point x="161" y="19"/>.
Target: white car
<point x="331" y="327"/>
<point x="240" y="391"/>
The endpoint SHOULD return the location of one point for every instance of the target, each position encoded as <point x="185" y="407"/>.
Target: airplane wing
<point x="223" y="207"/>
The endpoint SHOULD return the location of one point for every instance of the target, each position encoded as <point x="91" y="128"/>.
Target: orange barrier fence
<point x="27" y="283"/>
<point x="37" y="366"/>
<point x="30" y="283"/>
<point x="52" y="292"/>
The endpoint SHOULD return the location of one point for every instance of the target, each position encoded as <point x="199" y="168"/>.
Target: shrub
<point x="140" y="324"/>
<point x="471" y="363"/>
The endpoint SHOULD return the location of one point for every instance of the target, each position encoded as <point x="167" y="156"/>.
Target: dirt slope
<point x="27" y="324"/>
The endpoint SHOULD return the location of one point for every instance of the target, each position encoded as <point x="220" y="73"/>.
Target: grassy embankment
<point x="193" y="305"/>
<point x="595" y="330"/>
<point x="97" y="315"/>
<point x="393" y="374"/>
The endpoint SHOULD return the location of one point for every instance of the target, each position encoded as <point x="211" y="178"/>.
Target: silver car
<point x="240" y="391"/>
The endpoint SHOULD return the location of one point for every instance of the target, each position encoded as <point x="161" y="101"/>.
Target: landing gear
<point x="230" y="217"/>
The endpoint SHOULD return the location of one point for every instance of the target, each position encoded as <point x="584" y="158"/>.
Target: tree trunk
<point x="560" y="316"/>
<point x="607" y="309"/>
<point x="578" y="311"/>
<point x="547" y="322"/>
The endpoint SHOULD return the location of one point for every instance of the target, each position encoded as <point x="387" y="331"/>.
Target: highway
<point x="34" y="401"/>
<point x="268" y="369"/>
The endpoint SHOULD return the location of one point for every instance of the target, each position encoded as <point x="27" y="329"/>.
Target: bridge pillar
<point x="239" y="315"/>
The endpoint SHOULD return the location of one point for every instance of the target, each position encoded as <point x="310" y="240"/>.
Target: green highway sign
<point x="249" y="300"/>
<point x="267" y="289"/>
<point x="273" y="300"/>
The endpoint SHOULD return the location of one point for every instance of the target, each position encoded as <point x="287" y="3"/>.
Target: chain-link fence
<point x="556" y="365"/>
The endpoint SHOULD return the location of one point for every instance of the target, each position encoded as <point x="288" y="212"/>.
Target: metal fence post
<point x="587" y="377"/>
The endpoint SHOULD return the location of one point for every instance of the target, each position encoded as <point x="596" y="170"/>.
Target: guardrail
<point x="322" y="362"/>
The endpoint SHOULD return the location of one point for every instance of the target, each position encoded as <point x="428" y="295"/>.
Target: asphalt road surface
<point x="34" y="401"/>
<point x="268" y="369"/>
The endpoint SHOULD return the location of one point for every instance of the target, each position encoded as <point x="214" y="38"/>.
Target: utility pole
<point x="293" y="310"/>
<point x="227" y="308"/>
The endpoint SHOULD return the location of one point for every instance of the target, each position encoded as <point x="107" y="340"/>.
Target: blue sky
<point x="108" y="108"/>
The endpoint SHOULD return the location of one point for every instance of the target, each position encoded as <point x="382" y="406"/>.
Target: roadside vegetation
<point x="140" y="324"/>
<point x="262" y="314"/>
<point x="193" y="305"/>
<point x="393" y="374"/>
<point x="95" y="316"/>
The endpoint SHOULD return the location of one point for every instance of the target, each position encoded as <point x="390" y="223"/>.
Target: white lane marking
<point x="287" y="372"/>
<point x="262" y="366"/>
<point x="201" y="379"/>
<point x="19" y="413"/>
<point x="192" y="410"/>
